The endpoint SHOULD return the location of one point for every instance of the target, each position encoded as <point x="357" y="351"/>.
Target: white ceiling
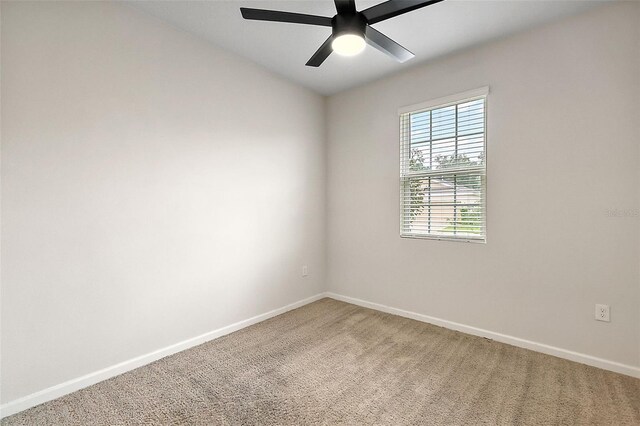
<point x="429" y="32"/>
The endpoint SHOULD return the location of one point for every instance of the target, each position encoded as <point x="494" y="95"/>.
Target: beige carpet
<point x="335" y="363"/>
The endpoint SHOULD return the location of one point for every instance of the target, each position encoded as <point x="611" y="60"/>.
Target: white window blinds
<point x="443" y="168"/>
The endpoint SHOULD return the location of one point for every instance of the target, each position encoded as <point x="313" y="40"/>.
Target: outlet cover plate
<point x="603" y="313"/>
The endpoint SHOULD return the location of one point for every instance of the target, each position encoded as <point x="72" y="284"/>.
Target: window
<point x="443" y="168"/>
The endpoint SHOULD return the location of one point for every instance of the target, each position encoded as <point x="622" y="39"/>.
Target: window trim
<point x="470" y="95"/>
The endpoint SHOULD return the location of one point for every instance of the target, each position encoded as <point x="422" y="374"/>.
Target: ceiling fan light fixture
<point x="350" y="29"/>
<point x="348" y="44"/>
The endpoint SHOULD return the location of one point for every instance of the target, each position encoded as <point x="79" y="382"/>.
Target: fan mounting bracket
<point x="353" y="23"/>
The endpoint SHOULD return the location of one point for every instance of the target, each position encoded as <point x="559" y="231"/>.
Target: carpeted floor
<point x="335" y="363"/>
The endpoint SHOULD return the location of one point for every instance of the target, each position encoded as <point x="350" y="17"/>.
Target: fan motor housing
<point x="349" y="24"/>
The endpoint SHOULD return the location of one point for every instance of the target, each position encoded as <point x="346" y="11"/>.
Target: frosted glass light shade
<point x="348" y="44"/>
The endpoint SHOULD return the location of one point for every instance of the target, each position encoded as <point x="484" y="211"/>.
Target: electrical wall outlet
<point x="602" y="313"/>
<point x="305" y="270"/>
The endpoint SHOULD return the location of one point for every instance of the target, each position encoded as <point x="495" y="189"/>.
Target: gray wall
<point x="563" y="150"/>
<point x="154" y="188"/>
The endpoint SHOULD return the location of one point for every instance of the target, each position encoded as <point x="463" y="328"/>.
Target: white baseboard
<point x="617" y="367"/>
<point x="48" y="394"/>
<point x="73" y="385"/>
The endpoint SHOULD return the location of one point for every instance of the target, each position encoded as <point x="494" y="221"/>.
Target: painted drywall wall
<point x="563" y="150"/>
<point x="154" y="188"/>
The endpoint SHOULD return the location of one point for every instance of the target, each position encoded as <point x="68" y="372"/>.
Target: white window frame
<point x="405" y="146"/>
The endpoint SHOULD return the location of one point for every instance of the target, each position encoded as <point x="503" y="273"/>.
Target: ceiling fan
<point x="351" y="30"/>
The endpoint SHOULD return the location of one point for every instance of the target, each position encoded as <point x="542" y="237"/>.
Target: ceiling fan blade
<point x="321" y="54"/>
<point x="345" y="6"/>
<point x="386" y="45"/>
<point x="392" y="8"/>
<point x="278" y="16"/>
